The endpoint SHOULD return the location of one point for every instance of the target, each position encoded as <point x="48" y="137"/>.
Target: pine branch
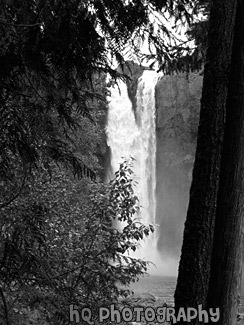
<point x="19" y="25"/>
<point x="4" y="306"/>
<point x="8" y="202"/>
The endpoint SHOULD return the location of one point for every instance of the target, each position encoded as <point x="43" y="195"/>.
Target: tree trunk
<point x="226" y="265"/>
<point x="194" y="268"/>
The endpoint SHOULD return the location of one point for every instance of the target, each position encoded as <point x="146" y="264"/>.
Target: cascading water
<point x="145" y="113"/>
<point x="127" y="137"/>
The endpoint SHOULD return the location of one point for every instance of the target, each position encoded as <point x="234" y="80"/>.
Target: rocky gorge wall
<point x="177" y="116"/>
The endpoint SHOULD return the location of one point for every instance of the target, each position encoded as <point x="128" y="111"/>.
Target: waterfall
<point x="146" y="121"/>
<point x="133" y="134"/>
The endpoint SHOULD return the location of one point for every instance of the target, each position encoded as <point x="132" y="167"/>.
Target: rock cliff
<point x="177" y="107"/>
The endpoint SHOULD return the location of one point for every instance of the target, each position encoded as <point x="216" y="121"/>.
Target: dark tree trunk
<point x="226" y="262"/>
<point x="194" y="268"/>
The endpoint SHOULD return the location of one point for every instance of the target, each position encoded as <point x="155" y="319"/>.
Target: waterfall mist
<point x="133" y="134"/>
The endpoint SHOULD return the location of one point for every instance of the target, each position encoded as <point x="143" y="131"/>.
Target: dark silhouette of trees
<point x="211" y="259"/>
<point x="227" y="255"/>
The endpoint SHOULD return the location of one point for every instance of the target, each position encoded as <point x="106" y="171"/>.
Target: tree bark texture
<point x="226" y="265"/>
<point x="194" y="268"/>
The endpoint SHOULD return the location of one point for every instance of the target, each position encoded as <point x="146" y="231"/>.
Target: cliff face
<point x="177" y="107"/>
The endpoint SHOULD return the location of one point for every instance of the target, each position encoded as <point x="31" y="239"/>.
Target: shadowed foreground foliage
<point x="61" y="244"/>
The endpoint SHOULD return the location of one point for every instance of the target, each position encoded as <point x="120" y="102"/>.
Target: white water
<point x="129" y="137"/>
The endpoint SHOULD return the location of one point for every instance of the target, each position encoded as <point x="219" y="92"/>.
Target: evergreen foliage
<point x="190" y="55"/>
<point x="49" y="54"/>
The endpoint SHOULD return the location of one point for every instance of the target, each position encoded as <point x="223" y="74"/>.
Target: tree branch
<point x="19" y="25"/>
<point x="9" y="201"/>
<point x="4" y="306"/>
